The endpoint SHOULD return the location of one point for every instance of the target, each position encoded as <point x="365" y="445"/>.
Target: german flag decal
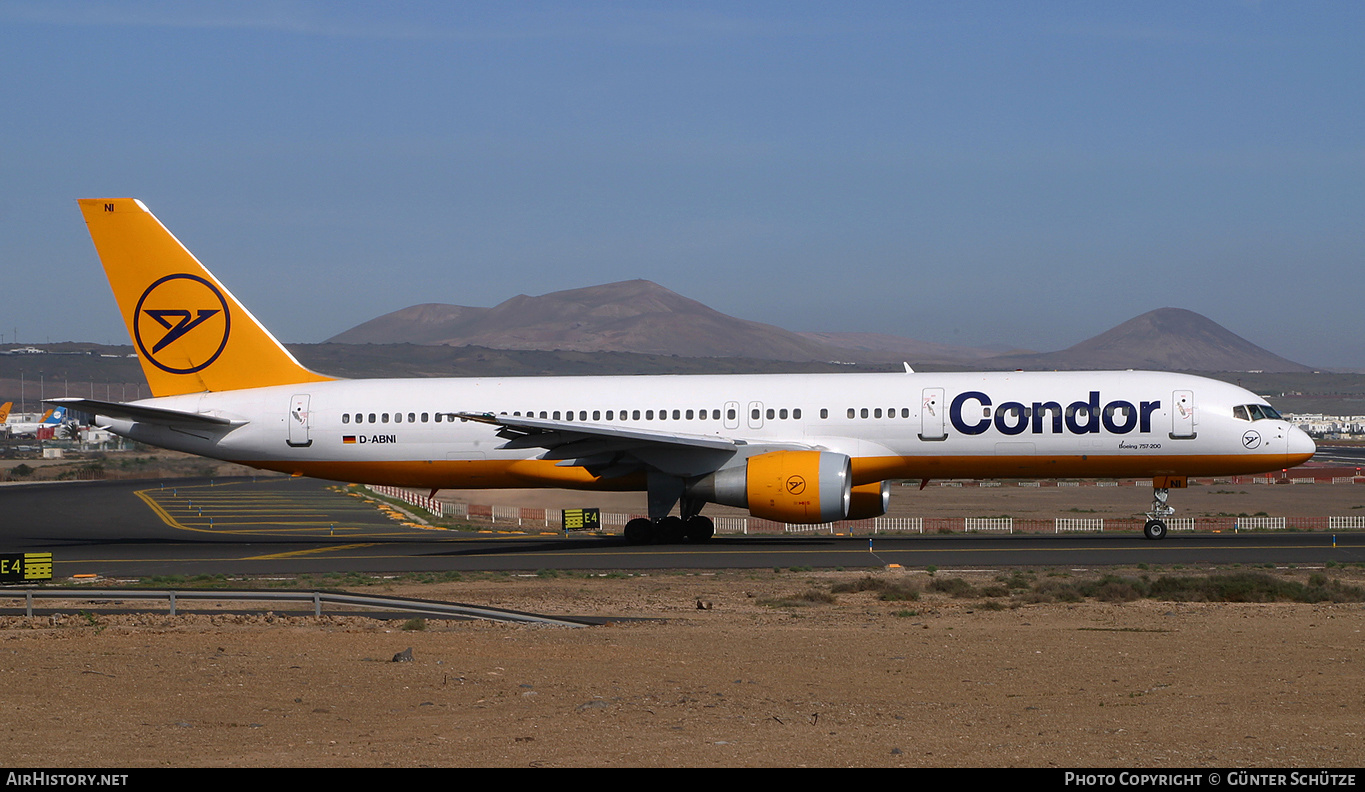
<point x="347" y="439"/>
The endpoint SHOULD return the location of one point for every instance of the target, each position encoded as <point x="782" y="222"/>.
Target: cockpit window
<point x="1255" y="412"/>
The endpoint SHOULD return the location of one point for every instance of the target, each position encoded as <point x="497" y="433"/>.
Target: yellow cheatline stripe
<point x="311" y="551"/>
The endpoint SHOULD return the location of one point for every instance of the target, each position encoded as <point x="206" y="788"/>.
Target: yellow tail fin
<point x="4" y="411"/>
<point x="191" y="334"/>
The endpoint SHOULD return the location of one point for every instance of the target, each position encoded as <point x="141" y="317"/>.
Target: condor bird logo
<point x="185" y="320"/>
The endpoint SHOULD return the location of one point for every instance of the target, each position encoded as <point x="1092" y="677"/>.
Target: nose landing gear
<point x="1155" y="528"/>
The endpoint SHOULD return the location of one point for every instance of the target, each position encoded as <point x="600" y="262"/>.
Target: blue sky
<point x="1026" y="174"/>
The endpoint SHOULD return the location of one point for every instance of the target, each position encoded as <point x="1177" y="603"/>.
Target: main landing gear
<point x="670" y="530"/>
<point x="1155" y="528"/>
<point x="663" y="528"/>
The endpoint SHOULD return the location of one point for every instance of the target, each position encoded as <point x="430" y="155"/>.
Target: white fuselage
<point x="892" y="426"/>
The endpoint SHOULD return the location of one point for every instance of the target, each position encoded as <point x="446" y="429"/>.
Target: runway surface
<point x="280" y="526"/>
<point x="1347" y="456"/>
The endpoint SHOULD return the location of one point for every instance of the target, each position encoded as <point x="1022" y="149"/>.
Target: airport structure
<point x="1331" y="427"/>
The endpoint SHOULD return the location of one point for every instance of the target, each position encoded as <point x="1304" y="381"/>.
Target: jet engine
<point x="803" y="487"/>
<point x="870" y="500"/>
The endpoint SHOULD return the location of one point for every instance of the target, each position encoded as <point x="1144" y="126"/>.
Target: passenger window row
<point x="731" y="414"/>
<point x="876" y="412"/>
<point x="361" y="418"/>
<point x="624" y="415"/>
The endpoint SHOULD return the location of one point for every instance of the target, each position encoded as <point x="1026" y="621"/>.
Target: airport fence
<point x="431" y="505"/>
<point x="1079" y="524"/>
<point x="532" y="518"/>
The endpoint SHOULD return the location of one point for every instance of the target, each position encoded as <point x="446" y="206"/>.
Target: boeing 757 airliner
<point x="797" y="448"/>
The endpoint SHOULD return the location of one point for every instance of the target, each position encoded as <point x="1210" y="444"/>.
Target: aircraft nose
<point x="1301" y="446"/>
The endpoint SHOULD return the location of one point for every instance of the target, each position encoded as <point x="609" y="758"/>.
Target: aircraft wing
<point x="610" y="451"/>
<point x="140" y="413"/>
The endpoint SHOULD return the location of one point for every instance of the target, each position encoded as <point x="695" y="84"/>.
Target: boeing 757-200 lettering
<point x="797" y="448"/>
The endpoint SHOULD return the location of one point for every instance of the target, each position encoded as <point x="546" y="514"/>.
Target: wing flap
<point x="610" y="451"/>
<point x="545" y="433"/>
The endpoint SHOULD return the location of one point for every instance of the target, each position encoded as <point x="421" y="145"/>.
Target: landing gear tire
<point x="698" y="529"/>
<point x="1155" y="528"/>
<point x="639" y="531"/>
<point x="669" y="530"/>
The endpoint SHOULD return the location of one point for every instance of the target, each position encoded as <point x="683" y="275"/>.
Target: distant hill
<point x="629" y="316"/>
<point x="428" y="323"/>
<point x="1167" y="339"/>
<point x="641" y="317"/>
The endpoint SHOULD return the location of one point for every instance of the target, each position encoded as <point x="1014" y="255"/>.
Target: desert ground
<point x="733" y="669"/>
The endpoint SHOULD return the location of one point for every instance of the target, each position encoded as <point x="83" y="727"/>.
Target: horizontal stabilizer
<point x="134" y="412"/>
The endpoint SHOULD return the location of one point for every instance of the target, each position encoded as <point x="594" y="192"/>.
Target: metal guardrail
<point x="317" y="598"/>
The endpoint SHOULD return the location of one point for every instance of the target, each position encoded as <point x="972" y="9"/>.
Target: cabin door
<point x="1182" y="414"/>
<point x="299" y="420"/>
<point x="932" y="425"/>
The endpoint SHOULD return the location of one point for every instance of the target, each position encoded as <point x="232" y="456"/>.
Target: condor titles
<point x="970" y="414"/>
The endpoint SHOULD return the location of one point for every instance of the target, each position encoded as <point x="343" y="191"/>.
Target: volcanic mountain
<point x="629" y="316"/>
<point x="1167" y="339"/>
<point x="643" y="317"/>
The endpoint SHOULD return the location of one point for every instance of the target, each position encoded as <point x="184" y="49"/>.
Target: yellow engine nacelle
<point x="870" y="500"/>
<point x="804" y="487"/>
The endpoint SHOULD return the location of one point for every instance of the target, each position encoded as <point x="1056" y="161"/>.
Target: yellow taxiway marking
<point x="179" y="509"/>
<point x="310" y="551"/>
<point x="311" y="529"/>
<point x="165" y="516"/>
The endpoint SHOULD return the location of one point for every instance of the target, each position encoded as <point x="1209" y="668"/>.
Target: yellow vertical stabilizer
<point x="4" y="411"/>
<point x="190" y="333"/>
